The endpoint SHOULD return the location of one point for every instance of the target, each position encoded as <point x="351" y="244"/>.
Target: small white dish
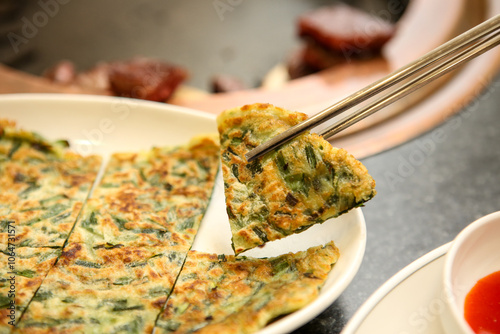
<point x="474" y="254"/>
<point x="410" y="302"/>
<point x="414" y="299"/>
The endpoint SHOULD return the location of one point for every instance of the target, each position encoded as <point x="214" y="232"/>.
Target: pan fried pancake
<point x="129" y="244"/>
<point x="39" y="225"/>
<point x="126" y="250"/>
<point x="42" y="187"/>
<point x="12" y="138"/>
<point x="26" y="269"/>
<point x="152" y="198"/>
<point x="228" y="294"/>
<point x="305" y="182"/>
<point x="102" y="290"/>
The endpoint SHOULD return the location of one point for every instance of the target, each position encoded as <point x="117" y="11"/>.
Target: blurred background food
<point x="243" y="39"/>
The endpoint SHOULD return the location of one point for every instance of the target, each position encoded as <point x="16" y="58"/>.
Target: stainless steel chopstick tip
<point x="446" y="57"/>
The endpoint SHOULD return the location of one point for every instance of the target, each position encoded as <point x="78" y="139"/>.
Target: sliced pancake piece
<point x="129" y="244"/>
<point x="101" y="226"/>
<point x="103" y="290"/>
<point x="304" y="182"/>
<point x="228" y="294"/>
<point x="42" y="187"/>
<point x="98" y="226"/>
<point x="152" y="197"/>
<point x="22" y="271"/>
<point x="12" y="137"/>
<point x="41" y="225"/>
<point x="177" y="170"/>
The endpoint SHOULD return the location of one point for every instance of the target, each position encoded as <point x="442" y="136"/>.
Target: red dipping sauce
<point x="482" y="305"/>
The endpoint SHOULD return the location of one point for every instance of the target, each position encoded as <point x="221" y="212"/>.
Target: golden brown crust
<point x="102" y="290"/>
<point x="152" y="198"/>
<point x="227" y="294"/>
<point x="131" y="239"/>
<point x="42" y="187"/>
<point x="129" y="244"/>
<point x="305" y="182"/>
<point x="22" y="271"/>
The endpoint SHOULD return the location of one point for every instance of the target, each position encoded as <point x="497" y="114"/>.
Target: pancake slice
<point x="22" y="271"/>
<point x="305" y="182"/>
<point x="129" y="244"/>
<point x="228" y="294"/>
<point x="42" y="187"/>
<point x="102" y="290"/>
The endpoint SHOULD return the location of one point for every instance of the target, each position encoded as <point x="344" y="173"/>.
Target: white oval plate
<point x="410" y="302"/>
<point x="102" y="125"/>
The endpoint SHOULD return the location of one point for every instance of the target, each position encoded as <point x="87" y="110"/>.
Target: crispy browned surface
<point x="305" y="182"/>
<point x="22" y="271"/>
<point x="129" y="244"/>
<point x="102" y="290"/>
<point x="227" y="294"/>
<point x="42" y="187"/>
<point x="152" y="198"/>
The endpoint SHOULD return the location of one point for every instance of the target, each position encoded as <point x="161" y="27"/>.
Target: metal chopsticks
<point x="445" y="58"/>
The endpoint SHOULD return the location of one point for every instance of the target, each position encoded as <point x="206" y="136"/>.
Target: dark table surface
<point x="428" y="189"/>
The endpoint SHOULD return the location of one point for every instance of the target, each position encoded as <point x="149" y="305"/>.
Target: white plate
<point x="412" y="301"/>
<point x="96" y="124"/>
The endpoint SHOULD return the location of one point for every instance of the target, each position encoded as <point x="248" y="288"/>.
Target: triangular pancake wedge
<point x="239" y="295"/>
<point x="305" y="182"/>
